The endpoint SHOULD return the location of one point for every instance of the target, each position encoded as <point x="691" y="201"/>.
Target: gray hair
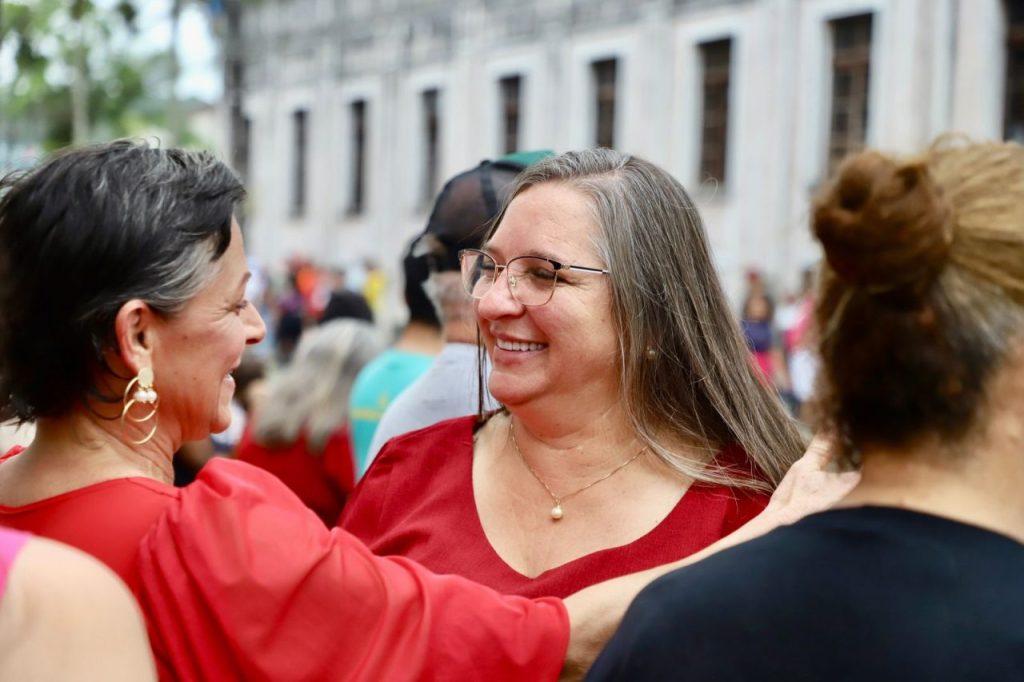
<point x="81" y="234"/>
<point x="448" y="295"/>
<point x="685" y="369"/>
<point x="311" y="395"/>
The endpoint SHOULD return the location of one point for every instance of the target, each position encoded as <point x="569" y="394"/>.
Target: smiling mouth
<point x="518" y="345"/>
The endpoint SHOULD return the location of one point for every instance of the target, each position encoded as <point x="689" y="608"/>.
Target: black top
<point x="869" y="593"/>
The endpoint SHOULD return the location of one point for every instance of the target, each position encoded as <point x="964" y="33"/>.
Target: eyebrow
<point x="486" y="248"/>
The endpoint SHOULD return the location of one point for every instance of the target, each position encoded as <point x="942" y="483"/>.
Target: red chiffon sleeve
<point x="239" y="580"/>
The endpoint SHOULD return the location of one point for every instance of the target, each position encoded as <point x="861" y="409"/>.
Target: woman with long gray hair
<point x="634" y="429"/>
<point x="301" y="431"/>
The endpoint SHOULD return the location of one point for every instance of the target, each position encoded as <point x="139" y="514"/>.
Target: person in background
<point x="634" y="430"/>
<point x="459" y="220"/>
<point x="915" y="575"/>
<point x="374" y="284"/>
<point x="65" y="616"/>
<point x="301" y="432"/>
<point x="343" y="302"/>
<point x="757" y="320"/>
<point x="291" y="321"/>
<point x="801" y="355"/>
<point x="390" y="373"/>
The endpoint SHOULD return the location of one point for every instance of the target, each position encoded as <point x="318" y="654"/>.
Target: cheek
<point x="596" y="333"/>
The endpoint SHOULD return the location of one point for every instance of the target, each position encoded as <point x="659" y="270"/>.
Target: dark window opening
<point x="357" y="170"/>
<point x="299" y="127"/>
<point x="715" y="59"/>
<point x="603" y="72"/>
<point x="1013" y="111"/>
<point x="511" y="87"/>
<point x="851" y="72"/>
<point x="431" y="146"/>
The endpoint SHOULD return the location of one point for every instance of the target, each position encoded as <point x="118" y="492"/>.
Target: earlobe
<point x="133" y="332"/>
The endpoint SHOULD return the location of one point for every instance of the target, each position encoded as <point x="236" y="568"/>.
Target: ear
<point x="134" y="332"/>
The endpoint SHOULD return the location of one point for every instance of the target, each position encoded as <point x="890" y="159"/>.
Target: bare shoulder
<point x="65" y="615"/>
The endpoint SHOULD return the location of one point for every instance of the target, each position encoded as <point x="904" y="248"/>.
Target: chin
<point x="510" y="396"/>
<point x="222" y="420"/>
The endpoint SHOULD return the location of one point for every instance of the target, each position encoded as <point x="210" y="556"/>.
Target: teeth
<point x="518" y="345"/>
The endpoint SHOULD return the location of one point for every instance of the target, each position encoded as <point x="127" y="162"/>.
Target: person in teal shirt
<point x="392" y="371"/>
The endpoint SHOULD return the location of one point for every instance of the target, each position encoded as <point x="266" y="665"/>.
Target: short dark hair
<point x="416" y="270"/>
<point x="81" y="234"/>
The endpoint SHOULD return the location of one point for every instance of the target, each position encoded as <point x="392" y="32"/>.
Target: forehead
<point x="551" y="219"/>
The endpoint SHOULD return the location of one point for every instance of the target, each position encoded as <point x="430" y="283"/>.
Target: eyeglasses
<point x="531" y="279"/>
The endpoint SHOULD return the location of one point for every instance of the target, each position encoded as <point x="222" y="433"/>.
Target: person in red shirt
<point x="300" y="432"/>
<point x="633" y="430"/>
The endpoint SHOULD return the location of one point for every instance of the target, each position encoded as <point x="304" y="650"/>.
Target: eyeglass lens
<point x="531" y="280"/>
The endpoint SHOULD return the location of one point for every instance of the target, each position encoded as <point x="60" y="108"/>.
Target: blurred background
<point x="345" y="117"/>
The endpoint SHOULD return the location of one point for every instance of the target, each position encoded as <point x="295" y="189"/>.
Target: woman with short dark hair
<point x="122" y="316"/>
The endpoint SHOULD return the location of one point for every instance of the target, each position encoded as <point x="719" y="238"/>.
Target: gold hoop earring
<point x="140" y="391"/>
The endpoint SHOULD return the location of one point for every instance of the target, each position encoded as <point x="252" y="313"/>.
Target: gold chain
<point x="556" y="511"/>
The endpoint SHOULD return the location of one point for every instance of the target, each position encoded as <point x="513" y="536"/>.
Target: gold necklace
<point x="556" y="512"/>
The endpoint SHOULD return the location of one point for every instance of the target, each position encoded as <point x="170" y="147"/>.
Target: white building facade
<point x="359" y="110"/>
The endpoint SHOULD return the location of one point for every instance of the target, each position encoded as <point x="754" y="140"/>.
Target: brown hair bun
<point x="884" y="225"/>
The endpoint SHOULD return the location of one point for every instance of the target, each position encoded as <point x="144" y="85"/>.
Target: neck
<point x="82" y="449"/>
<point x="979" y="485"/>
<point x="418" y="337"/>
<point x="564" y="445"/>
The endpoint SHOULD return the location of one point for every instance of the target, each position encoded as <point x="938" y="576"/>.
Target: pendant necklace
<point x="557" y="512"/>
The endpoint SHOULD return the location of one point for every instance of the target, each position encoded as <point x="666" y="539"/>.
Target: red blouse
<point x="417" y="501"/>
<point x="322" y="480"/>
<point x="239" y="580"/>
<point x="106" y="520"/>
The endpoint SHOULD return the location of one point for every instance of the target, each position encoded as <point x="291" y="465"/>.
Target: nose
<point x="499" y="301"/>
<point x="255" y="329"/>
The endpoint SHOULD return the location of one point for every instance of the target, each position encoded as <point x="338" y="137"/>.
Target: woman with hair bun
<point x="915" y="575"/>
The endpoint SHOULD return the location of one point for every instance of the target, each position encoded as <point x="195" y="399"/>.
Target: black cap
<point x="464" y="210"/>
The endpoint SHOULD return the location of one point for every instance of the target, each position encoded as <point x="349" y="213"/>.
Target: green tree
<point x="75" y="79"/>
